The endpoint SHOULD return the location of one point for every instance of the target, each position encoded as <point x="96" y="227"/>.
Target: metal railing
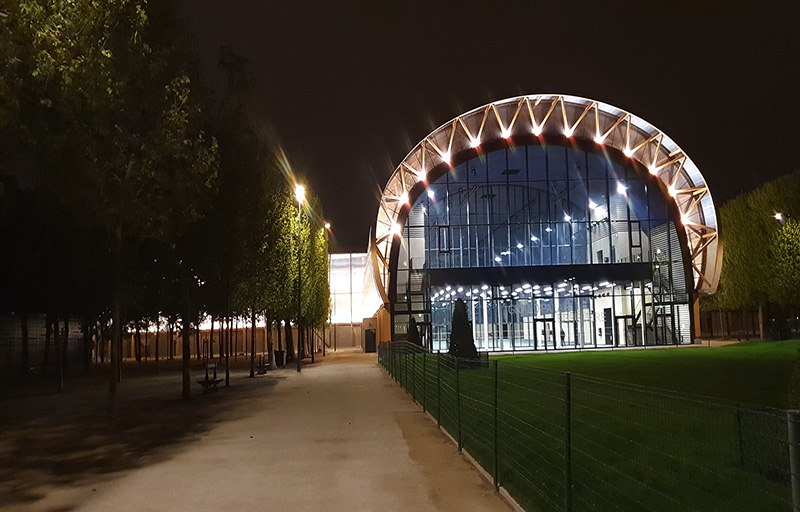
<point x="557" y="441"/>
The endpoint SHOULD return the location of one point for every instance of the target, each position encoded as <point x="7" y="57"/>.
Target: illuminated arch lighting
<point x="578" y="118"/>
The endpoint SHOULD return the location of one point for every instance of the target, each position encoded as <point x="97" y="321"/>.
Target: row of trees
<point x="760" y="233"/>
<point x="130" y="194"/>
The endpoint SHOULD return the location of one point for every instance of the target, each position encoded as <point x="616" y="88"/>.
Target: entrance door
<point x="626" y="334"/>
<point x="544" y="333"/>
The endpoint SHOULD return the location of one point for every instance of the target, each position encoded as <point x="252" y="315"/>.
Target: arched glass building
<point x="562" y="222"/>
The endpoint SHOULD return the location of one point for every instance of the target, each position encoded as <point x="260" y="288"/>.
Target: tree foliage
<point x="758" y="266"/>
<point x="125" y="188"/>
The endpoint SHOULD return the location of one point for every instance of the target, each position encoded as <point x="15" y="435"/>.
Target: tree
<point x="462" y="344"/>
<point x="748" y="228"/>
<point x="112" y="120"/>
<point x="785" y="249"/>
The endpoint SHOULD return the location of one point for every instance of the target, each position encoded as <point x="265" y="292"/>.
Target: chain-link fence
<point x="557" y="441"/>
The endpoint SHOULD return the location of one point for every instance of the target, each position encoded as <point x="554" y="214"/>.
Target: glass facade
<point x="346" y="280"/>
<point x="550" y="247"/>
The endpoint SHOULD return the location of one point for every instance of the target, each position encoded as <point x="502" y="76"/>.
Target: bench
<point x="263" y="365"/>
<point x="210" y="383"/>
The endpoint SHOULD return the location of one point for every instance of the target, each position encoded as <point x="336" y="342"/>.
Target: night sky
<point x="352" y="87"/>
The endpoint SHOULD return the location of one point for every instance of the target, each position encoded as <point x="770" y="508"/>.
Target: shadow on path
<point x="49" y="440"/>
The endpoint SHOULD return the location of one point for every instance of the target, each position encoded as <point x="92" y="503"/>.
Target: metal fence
<point x="557" y="441"/>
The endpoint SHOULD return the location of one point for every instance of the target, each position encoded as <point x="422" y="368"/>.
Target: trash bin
<point x="369" y="340"/>
<point x="280" y="358"/>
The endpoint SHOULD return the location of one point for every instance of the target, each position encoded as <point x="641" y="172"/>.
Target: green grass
<point x="633" y="447"/>
<point x="751" y="372"/>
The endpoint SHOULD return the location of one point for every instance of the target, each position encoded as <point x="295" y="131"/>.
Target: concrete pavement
<point x="340" y="436"/>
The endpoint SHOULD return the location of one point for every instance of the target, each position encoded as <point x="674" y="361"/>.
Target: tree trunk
<point x="300" y="341"/>
<point x="228" y="354"/>
<point x="62" y="360"/>
<point x="169" y="339"/>
<point x="278" y="329"/>
<point x="57" y="346"/>
<point x="761" y="321"/>
<point x="146" y="342"/>
<point x="211" y="340"/>
<point x="186" y="334"/>
<point x="313" y="344"/>
<point x="197" y="340"/>
<point x="48" y="334"/>
<point x="158" y="332"/>
<point x="87" y="345"/>
<point x="235" y="327"/>
<point x="137" y="343"/>
<point x="102" y="344"/>
<point x="253" y="343"/>
<point x="289" y="341"/>
<point x="116" y="315"/>
<point x="23" y="319"/>
<point x="268" y="336"/>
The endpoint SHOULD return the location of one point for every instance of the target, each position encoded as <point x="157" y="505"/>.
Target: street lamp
<point x="299" y="194"/>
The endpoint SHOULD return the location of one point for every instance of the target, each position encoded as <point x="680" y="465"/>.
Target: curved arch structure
<point x="572" y="118"/>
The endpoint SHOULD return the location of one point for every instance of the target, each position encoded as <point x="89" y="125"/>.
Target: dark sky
<point x="351" y="87"/>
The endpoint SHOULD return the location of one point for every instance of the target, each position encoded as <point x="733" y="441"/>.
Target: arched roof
<point x="571" y="117"/>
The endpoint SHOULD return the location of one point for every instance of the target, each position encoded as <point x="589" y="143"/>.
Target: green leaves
<point x="757" y="248"/>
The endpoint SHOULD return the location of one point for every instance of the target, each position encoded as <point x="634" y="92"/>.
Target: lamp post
<point x="299" y="194"/>
<point x="325" y="327"/>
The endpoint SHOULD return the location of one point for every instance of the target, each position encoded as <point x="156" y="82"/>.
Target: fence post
<point x="458" y="404"/>
<point x="439" y="389"/>
<point x="793" y="423"/>
<point x="568" y="446"/>
<point x="414" y="375"/>
<point x="496" y="463"/>
<point x="424" y="381"/>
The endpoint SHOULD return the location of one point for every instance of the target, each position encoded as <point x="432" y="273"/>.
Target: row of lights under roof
<point x="568" y="132"/>
<point x="447" y="292"/>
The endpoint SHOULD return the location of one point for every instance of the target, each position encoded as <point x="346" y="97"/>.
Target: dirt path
<point x="339" y="436"/>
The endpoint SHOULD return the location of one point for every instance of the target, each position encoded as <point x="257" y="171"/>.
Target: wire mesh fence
<point x="557" y="441"/>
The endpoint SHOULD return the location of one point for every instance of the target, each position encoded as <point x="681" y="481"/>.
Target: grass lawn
<point x="751" y="372"/>
<point x="633" y="447"/>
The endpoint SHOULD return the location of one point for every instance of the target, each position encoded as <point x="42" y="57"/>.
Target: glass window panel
<point x="580" y="237"/>
<point x="477" y="170"/>
<point x="538" y="201"/>
<point x="656" y="201"/>
<point x="498" y="204"/>
<point x="618" y="206"/>
<point x="500" y="245"/>
<point x="479" y="197"/>
<point x="637" y="199"/>
<point x="537" y="168"/>
<point x="556" y="163"/>
<point x="497" y="166"/>
<point x="517" y="168"/>
<point x="578" y="200"/>
<point x="480" y="234"/>
<point x="598" y="165"/>
<point x="458" y="200"/>
<point x="341" y="308"/>
<point x="458" y="174"/>
<point x="519" y="243"/>
<point x="620" y="242"/>
<point x="576" y="164"/>
<point x="558" y="201"/>
<point x="437" y="209"/>
<point x="598" y="195"/>
<point x="516" y="203"/>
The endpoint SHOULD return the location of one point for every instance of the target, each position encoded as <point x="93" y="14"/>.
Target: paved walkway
<point x="341" y="435"/>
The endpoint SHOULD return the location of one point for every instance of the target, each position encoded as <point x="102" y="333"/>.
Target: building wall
<point x="543" y="232"/>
